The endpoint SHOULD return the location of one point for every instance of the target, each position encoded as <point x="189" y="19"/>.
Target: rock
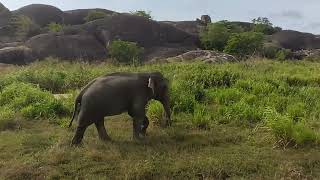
<point x="160" y="53"/>
<point x="76" y="17"/>
<point x="10" y="44"/>
<point x="307" y="54"/>
<point x="147" y="33"/>
<point x="16" y="55"/>
<point x="80" y="46"/>
<point x="295" y="40"/>
<point x="205" y="56"/>
<point x="205" y="19"/>
<point x="4" y="15"/>
<point x="41" y="14"/>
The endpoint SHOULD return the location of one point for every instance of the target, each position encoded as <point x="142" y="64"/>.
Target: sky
<point x="289" y="14"/>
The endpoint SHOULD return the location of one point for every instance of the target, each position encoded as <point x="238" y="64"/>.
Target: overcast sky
<point x="301" y="15"/>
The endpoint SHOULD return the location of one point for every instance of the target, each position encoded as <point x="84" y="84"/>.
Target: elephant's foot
<point x="76" y="143"/>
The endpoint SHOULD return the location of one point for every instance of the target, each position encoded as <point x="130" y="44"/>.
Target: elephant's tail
<point x="76" y="110"/>
<point x="78" y="101"/>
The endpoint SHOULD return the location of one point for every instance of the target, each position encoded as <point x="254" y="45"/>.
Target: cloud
<point x="289" y="14"/>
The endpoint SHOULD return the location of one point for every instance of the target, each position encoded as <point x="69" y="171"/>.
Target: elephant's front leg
<point x="144" y="126"/>
<point x="137" y="124"/>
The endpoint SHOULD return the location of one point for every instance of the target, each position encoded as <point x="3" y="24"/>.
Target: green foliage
<point x="244" y="44"/>
<point x="54" y="27"/>
<point x="32" y="102"/>
<point x="287" y="131"/>
<point x="262" y="20"/>
<point x="7" y="117"/>
<point x="142" y="13"/>
<point x="201" y="116"/>
<point x="125" y="52"/>
<point x="270" y="52"/>
<point x="155" y="112"/>
<point x="231" y="93"/>
<point x="216" y="35"/>
<point x="283" y="54"/>
<point x="22" y="26"/>
<point x="94" y="15"/>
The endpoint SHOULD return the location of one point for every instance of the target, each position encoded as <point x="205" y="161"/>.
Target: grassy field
<point x="251" y="120"/>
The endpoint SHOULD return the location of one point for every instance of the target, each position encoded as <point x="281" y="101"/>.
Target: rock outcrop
<point x="16" y="55"/>
<point x="41" y="14"/>
<point x="76" y="17"/>
<point x="205" y="56"/>
<point x="295" y="40"/>
<point x="80" y="46"/>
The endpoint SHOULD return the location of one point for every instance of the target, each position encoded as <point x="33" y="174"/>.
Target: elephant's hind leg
<point x="102" y="130"/>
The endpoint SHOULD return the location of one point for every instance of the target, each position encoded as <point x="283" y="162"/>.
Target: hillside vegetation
<point x="257" y="119"/>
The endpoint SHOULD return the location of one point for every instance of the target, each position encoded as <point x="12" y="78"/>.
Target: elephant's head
<point x="160" y="90"/>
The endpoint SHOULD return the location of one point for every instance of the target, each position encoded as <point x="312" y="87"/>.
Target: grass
<point x="250" y="120"/>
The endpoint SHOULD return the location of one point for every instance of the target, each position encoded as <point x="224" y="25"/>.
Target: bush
<point x="94" y="15"/>
<point x="31" y="101"/>
<point x="23" y="27"/>
<point x="142" y="13"/>
<point x="244" y="44"/>
<point x="201" y="116"/>
<point x="283" y="54"/>
<point x="155" y="112"/>
<point x="6" y="118"/>
<point x="55" y="27"/>
<point x="287" y="131"/>
<point x="215" y="37"/>
<point x="125" y="52"/>
<point x="270" y="52"/>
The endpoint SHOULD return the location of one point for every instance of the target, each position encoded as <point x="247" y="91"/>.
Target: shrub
<point x="155" y="112"/>
<point x="215" y="37"/>
<point x="244" y="44"/>
<point x="55" y="27"/>
<point x="22" y="26"/>
<point x="182" y="97"/>
<point x="142" y="13"/>
<point x="201" y="116"/>
<point x="94" y="15"/>
<point x="270" y="52"/>
<point x="31" y="101"/>
<point x="125" y="52"/>
<point x="6" y="118"/>
<point x="287" y="131"/>
<point x="283" y="54"/>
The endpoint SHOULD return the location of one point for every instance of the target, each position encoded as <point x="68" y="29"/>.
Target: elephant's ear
<point x="151" y="84"/>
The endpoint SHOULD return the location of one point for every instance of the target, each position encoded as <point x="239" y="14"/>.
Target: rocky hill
<point x="24" y="35"/>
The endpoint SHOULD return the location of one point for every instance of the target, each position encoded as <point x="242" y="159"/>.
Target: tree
<point x="216" y="35"/>
<point x="244" y="44"/>
<point x="125" y="52"/>
<point x="55" y="27"/>
<point x="262" y="20"/>
<point x="142" y="13"/>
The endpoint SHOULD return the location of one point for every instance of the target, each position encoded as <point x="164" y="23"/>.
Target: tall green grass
<point x="237" y="94"/>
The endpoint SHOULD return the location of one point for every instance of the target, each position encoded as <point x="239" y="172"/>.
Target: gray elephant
<point x="117" y="93"/>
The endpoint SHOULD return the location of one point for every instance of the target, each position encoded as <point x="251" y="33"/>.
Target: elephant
<point x="117" y="93"/>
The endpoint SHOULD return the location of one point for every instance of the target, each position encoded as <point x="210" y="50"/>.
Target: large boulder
<point x="79" y="46"/>
<point x="206" y="56"/>
<point x="41" y="14"/>
<point x="295" y="40"/>
<point x="76" y="17"/>
<point x="16" y="55"/>
<point x="4" y="15"/>
<point x="147" y="33"/>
